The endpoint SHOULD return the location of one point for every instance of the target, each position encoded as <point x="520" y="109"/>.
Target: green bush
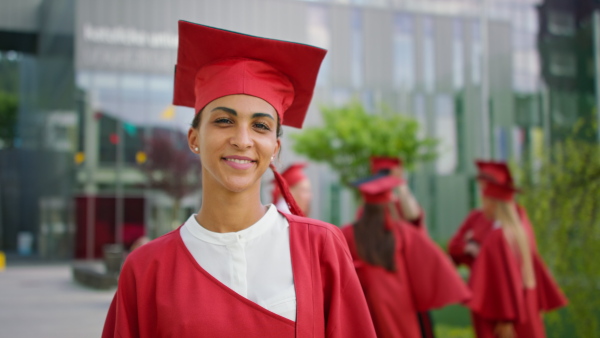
<point x="562" y="197"/>
<point x="349" y="135"/>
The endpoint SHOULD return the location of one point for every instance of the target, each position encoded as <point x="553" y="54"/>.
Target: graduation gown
<point x="481" y="226"/>
<point x="499" y="294"/>
<point x="424" y="279"/>
<point x="164" y="292"/>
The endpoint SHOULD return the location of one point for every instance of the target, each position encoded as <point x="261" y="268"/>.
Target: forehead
<point x="242" y="103"/>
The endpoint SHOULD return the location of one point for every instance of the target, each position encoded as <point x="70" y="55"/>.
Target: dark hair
<point x="375" y="244"/>
<point x="196" y="124"/>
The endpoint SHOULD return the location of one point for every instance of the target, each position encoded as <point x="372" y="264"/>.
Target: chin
<point x="239" y="184"/>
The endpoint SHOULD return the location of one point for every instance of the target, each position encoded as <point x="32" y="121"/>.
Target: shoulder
<point x="329" y="236"/>
<point x="314" y="226"/>
<point x="154" y="250"/>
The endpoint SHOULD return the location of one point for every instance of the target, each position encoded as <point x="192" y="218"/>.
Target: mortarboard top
<point x="212" y="63"/>
<point x="494" y="172"/>
<point x="378" y="189"/>
<point x="379" y="163"/>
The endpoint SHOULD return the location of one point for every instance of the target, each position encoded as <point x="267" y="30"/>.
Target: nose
<point x="242" y="138"/>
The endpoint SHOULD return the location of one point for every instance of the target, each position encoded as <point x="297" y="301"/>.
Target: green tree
<point x="9" y="106"/>
<point x="562" y="197"/>
<point x="350" y="135"/>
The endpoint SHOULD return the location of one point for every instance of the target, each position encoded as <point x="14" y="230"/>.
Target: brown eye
<point x="262" y="126"/>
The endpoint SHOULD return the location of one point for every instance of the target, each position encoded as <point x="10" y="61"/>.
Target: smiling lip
<point x="239" y="162"/>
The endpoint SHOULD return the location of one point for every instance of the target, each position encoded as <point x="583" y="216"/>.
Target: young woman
<point x="402" y="272"/>
<point x="464" y="246"/>
<point x="239" y="268"/>
<point x="510" y="284"/>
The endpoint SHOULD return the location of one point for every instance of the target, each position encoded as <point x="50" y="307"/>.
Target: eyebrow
<point x="234" y="113"/>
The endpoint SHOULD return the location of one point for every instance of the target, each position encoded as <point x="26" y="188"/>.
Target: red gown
<point x="499" y="294"/>
<point x="480" y="226"/>
<point x="424" y="280"/>
<point x="163" y="292"/>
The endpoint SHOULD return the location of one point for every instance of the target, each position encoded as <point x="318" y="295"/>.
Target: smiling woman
<point x="239" y="267"/>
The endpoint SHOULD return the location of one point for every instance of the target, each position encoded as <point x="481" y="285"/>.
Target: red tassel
<point x="285" y="191"/>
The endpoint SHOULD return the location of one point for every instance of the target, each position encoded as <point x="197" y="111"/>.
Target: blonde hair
<point x="506" y="213"/>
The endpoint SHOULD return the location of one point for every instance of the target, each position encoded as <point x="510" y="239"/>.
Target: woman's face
<point x="236" y="140"/>
<point x="302" y="193"/>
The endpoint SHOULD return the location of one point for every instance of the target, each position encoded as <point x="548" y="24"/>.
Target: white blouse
<point x="255" y="262"/>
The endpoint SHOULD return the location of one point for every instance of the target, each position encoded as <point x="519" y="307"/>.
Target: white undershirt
<point x="254" y="262"/>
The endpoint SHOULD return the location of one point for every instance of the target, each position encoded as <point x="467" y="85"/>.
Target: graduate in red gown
<point x="239" y="268"/>
<point x="410" y="211"/>
<point x="464" y="245"/>
<point x="510" y="284"/>
<point x="402" y="272"/>
<point x="300" y="189"/>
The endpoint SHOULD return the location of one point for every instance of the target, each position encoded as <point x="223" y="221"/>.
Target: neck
<point x="226" y="211"/>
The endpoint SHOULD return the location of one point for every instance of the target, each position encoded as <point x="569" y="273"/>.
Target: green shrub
<point x="349" y="135"/>
<point x="562" y="197"/>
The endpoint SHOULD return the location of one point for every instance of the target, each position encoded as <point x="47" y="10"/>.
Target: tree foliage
<point x="562" y="196"/>
<point x="350" y="135"/>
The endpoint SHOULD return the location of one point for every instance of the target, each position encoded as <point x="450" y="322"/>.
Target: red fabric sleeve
<point x="346" y="311"/>
<point x="121" y="320"/>
<point x="496" y="282"/>
<point x="456" y="246"/>
<point x="432" y="276"/>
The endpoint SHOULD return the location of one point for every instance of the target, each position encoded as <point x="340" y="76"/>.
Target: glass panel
<point x="458" y="59"/>
<point x="404" y="54"/>
<point x="319" y="34"/>
<point x="476" y="52"/>
<point x="428" y="55"/>
<point x="445" y="132"/>
<point x="357" y="48"/>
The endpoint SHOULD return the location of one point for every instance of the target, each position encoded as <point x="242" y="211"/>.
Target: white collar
<point x="255" y="230"/>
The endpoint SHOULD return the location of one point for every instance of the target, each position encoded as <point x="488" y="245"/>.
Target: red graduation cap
<point x="497" y="172"/>
<point x="379" y="163"/>
<point x="379" y="189"/>
<point x="292" y="175"/>
<point x="212" y="63"/>
<point x="503" y="192"/>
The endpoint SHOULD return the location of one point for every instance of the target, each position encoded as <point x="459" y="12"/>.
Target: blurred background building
<point x="94" y="79"/>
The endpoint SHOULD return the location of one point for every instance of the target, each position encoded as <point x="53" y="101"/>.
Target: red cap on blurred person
<point x="491" y="171"/>
<point x="212" y="63"/>
<point x="379" y="163"/>
<point x="292" y="175"/>
<point x="378" y="189"/>
<point x="503" y="192"/>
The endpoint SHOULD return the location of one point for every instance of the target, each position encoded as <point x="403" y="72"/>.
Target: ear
<point x="193" y="140"/>
<point x="277" y="148"/>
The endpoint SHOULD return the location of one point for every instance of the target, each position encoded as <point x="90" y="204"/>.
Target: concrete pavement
<point x="44" y="301"/>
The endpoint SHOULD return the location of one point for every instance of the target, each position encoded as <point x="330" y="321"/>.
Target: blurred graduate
<point x="402" y="272"/>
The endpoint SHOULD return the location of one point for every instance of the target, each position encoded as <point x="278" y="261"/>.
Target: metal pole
<point x="90" y="151"/>
<point x="485" y="114"/>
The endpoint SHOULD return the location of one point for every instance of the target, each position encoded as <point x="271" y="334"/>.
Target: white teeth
<point x="238" y="161"/>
